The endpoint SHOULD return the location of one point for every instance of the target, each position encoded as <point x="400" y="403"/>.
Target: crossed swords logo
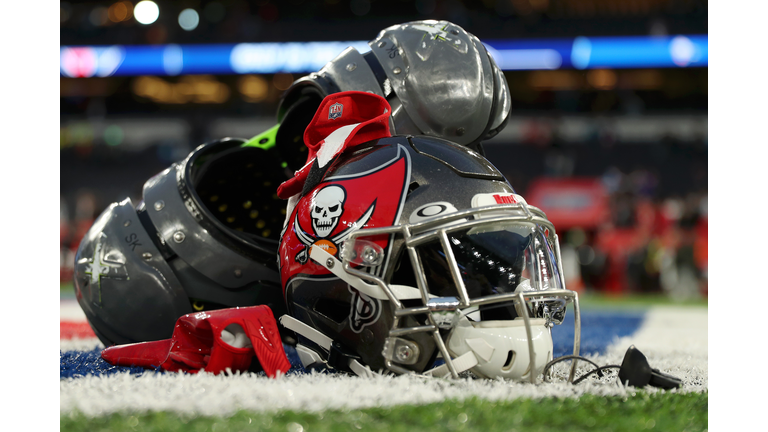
<point x="308" y="240"/>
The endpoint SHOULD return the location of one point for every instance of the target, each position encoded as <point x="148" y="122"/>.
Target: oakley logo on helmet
<point x="335" y="111"/>
<point x="364" y="311"/>
<point x="431" y="210"/>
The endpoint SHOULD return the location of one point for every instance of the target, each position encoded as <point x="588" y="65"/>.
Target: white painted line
<point x="673" y="339"/>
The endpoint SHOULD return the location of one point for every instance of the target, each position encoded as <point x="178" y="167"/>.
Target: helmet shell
<point x="385" y="183"/>
<point x="123" y="283"/>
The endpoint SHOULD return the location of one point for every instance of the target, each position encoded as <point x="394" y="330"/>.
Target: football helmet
<point x="206" y="232"/>
<point x="416" y="250"/>
<point x="439" y="80"/>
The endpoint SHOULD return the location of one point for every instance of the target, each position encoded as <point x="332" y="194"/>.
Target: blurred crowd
<point x="646" y="245"/>
<point x="640" y="133"/>
<point x="73" y="224"/>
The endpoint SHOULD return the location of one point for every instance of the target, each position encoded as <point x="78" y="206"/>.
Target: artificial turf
<point x="660" y="411"/>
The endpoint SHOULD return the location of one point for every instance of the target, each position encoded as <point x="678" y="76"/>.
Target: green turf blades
<point x="642" y="410"/>
<point x="264" y="140"/>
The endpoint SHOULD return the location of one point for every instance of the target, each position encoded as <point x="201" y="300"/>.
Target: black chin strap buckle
<point x="340" y="357"/>
<point x="636" y="372"/>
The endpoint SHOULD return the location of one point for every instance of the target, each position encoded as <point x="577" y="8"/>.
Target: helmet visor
<point x="494" y="259"/>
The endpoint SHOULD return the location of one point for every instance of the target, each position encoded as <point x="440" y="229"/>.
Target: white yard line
<point x="674" y="340"/>
<point x="71" y="311"/>
<point x="84" y="344"/>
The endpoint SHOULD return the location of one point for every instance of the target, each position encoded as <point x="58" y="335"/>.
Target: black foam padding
<point x="239" y="187"/>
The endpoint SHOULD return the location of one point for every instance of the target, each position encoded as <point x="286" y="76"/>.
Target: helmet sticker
<point x="327" y="207"/>
<point x="329" y="245"/>
<point x="428" y="211"/>
<point x="487" y="199"/>
<point x="335" y="208"/>
<point x="363" y="311"/>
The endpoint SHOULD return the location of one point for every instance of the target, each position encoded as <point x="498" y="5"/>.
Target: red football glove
<point x="342" y="121"/>
<point x="211" y="341"/>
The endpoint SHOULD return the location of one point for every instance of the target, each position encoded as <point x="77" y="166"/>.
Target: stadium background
<point x="628" y="143"/>
<point x="641" y="132"/>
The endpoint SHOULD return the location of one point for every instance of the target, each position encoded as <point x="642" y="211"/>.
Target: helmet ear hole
<point x="510" y="361"/>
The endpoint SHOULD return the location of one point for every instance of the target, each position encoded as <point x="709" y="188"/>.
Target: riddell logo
<point x="504" y="199"/>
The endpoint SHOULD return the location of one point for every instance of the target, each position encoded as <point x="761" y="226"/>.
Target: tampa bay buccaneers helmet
<point x="414" y="254"/>
<point x="206" y="232"/>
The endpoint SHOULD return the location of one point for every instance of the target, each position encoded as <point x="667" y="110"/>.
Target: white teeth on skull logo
<point x="327" y="207"/>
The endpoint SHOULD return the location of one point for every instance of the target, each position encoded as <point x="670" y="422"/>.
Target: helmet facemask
<point x="488" y="286"/>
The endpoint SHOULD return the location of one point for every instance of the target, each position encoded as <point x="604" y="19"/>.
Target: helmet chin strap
<point x="462" y="363"/>
<point x="333" y="265"/>
<point x="324" y="342"/>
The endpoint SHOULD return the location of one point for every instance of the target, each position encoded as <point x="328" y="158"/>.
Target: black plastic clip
<point x="340" y="357"/>
<point x="636" y="372"/>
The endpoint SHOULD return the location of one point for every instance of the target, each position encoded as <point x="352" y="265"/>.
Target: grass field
<point x="641" y="411"/>
<point x="673" y="336"/>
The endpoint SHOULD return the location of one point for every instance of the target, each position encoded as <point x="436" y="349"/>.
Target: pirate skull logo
<point x="327" y="208"/>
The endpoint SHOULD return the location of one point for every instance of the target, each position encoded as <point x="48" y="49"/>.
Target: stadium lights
<point x="146" y="12"/>
<point x="302" y="57"/>
<point x="120" y="11"/>
<point x="189" y="19"/>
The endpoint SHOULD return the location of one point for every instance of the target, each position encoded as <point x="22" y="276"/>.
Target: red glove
<point x="344" y="120"/>
<point x="197" y="344"/>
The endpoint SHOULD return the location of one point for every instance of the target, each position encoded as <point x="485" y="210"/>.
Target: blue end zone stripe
<point x="599" y="329"/>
